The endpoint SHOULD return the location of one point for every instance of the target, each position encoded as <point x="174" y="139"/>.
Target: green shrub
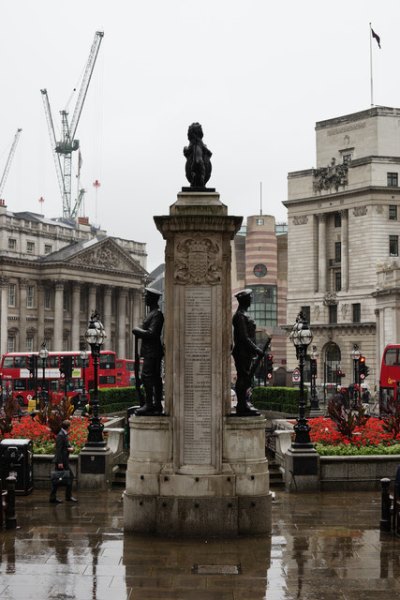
<point x="349" y="450"/>
<point x="277" y="399"/>
<point x="116" y="399"/>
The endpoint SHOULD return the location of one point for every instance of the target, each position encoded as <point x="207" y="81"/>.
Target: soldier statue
<point x="244" y="351"/>
<point x="151" y="352"/>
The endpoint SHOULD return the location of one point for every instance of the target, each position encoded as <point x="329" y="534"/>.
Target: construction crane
<point x="9" y="161"/>
<point x="64" y="148"/>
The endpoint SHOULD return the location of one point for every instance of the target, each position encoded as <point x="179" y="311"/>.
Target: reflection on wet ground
<point x="323" y="546"/>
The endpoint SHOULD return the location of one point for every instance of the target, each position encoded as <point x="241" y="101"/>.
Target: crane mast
<point x="68" y="144"/>
<point x="9" y="161"/>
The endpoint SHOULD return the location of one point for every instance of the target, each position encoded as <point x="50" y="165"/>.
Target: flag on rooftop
<point x="377" y="37"/>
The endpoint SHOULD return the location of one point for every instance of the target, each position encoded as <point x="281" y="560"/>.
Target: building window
<point x="263" y="308"/>
<point x="48" y="248"/>
<point x="12" y="244"/>
<point x="30" y="296"/>
<point x="29" y="344"/>
<point x="259" y="221"/>
<point x="347" y="156"/>
<point x="11" y="344"/>
<point x="392" y="212"/>
<point x="338" y="281"/>
<point x="356" y="313"/>
<point x="48" y="298"/>
<point x="338" y="252"/>
<point x="392" y="180"/>
<point x="260" y="270"/>
<point x="338" y="219"/>
<point x="66" y="300"/>
<point x="393" y="245"/>
<point x="30" y="247"/>
<point x="332" y="313"/>
<point x="306" y="313"/>
<point x="12" y="294"/>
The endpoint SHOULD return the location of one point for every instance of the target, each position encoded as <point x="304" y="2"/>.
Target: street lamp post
<point x="95" y="336"/>
<point x="43" y="354"/>
<point x="84" y="357"/>
<point x="301" y="338"/>
<point x="313" y="381"/>
<point x="355" y="355"/>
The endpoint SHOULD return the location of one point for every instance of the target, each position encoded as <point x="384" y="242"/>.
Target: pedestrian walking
<point x="62" y="474"/>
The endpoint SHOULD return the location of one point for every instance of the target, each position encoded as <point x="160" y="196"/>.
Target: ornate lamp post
<point x="95" y="336"/>
<point x="313" y="381"/>
<point x="301" y="338"/>
<point x="355" y="355"/>
<point x="43" y="354"/>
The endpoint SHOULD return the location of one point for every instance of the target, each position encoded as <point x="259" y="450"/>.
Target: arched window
<point x="332" y="362"/>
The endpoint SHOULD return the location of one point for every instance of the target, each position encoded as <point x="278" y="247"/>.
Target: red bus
<point x="125" y="372"/>
<point x="17" y="380"/>
<point x="389" y="380"/>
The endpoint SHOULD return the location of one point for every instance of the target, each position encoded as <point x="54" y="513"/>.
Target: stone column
<point x="121" y="329"/>
<point x="92" y="300"/>
<point x="345" y="249"/>
<point x="107" y="311"/>
<point x="23" y="283"/>
<point x="322" y="253"/>
<point x="4" y="314"/>
<point x="137" y="314"/>
<point x="40" y="308"/>
<point x="76" y="315"/>
<point x="58" y="315"/>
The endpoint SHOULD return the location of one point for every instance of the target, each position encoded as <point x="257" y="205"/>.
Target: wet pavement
<point x="324" y="546"/>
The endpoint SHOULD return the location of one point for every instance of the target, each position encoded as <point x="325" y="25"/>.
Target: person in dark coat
<point x="61" y="460"/>
<point x="244" y="350"/>
<point x="151" y="352"/>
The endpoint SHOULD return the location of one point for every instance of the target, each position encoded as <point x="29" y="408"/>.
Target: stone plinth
<point x="95" y="468"/>
<point x="197" y="471"/>
<point x="301" y="470"/>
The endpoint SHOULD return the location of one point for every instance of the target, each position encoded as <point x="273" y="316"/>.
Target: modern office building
<point x="343" y="242"/>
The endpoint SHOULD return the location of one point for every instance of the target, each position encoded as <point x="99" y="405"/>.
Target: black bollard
<point x="385" y="524"/>
<point x="11" y="520"/>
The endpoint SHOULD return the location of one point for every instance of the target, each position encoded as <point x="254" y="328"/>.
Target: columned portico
<point x="121" y="345"/>
<point x="58" y="315"/>
<point x="108" y="290"/>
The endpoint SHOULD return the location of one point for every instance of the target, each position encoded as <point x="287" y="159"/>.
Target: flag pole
<point x="370" y="64"/>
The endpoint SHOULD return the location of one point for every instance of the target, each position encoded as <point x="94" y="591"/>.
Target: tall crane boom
<point x="68" y="144"/>
<point x="9" y="161"/>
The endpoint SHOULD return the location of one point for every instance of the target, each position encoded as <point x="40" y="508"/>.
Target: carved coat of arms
<point x="198" y="261"/>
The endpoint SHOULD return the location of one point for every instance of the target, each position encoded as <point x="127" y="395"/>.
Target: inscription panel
<point x="197" y="392"/>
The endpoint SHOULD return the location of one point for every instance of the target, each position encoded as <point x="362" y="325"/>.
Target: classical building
<point x="343" y="242"/>
<point x="259" y="262"/>
<point x="54" y="274"/>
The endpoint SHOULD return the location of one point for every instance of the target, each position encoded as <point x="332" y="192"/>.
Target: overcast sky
<point x="256" y="74"/>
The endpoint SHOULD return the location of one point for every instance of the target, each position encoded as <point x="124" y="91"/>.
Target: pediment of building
<point x="107" y="255"/>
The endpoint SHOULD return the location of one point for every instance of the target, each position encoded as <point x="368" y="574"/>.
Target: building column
<point x="40" y="307"/>
<point x="4" y="314"/>
<point x="22" y="314"/>
<point x="108" y="290"/>
<point x="92" y="299"/>
<point x="322" y="253"/>
<point x="58" y="315"/>
<point x="121" y="330"/>
<point x="137" y="314"/>
<point x="345" y="249"/>
<point x="76" y="315"/>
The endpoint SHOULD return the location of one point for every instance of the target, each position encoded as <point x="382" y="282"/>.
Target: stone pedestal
<point x="197" y="471"/>
<point x="301" y="470"/>
<point x="95" y="468"/>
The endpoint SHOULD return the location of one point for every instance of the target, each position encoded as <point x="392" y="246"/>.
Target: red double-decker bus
<point x="18" y="381"/>
<point x="125" y="372"/>
<point x="389" y="379"/>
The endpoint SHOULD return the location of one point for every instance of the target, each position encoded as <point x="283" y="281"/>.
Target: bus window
<point x="20" y="385"/>
<point x="130" y="365"/>
<point x="8" y="362"/>
<point x="20" y="362"/>
<point x="391" y="357"/>
<point x="106" y="380"/>
<point x="107" y="361"/>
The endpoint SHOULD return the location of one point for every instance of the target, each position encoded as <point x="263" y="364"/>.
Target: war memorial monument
<point x="196" y="467"/>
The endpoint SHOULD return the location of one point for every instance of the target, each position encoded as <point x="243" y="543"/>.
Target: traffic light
<point x="66" y="366"/>
<point x="270" y="366"/>
<point x="363" y="369"/>
<point x="31" y="363"/>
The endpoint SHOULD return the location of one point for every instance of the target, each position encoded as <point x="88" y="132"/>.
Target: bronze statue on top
<point x="198" y="163"/>
<point x="244" y="351"/>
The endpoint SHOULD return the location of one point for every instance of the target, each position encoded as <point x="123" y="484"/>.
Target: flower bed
<point x="369" y="439"/>
<point x="42" y="437"/>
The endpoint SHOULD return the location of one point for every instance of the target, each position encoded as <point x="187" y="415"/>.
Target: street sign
<point x="296" y="376"/>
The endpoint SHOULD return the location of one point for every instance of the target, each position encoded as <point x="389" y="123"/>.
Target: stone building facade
<point x="343" y="242"/>
<point x="259" y="262"/>
<point x="54" y="274"/>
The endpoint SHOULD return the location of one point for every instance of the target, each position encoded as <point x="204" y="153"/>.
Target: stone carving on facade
<point x="360" y="211"/>
<point x="379" y="209"/>
<point x="317" y="311"/>
<point x="345" y="311"/>
<point x="300" y="220"/>
<point x="332" y="176"/>
<point x="330" y="299"/>
<point x="198" y="260"/>
<point x="104" y="256"/>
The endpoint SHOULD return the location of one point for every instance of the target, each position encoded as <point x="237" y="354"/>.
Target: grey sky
<point x="256" y="74"/>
